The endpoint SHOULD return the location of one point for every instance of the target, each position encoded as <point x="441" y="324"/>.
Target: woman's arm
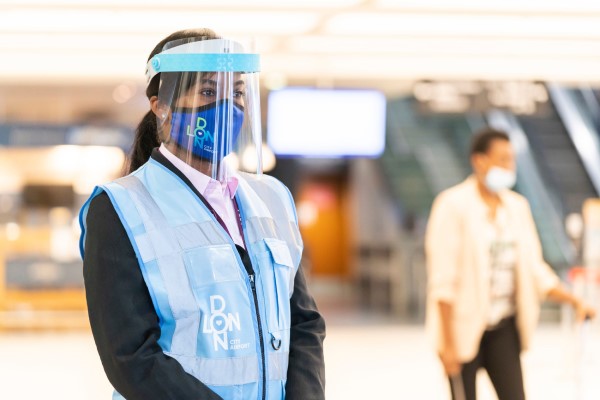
<point x="306" y="370"/>
<point x="124" y="322"/>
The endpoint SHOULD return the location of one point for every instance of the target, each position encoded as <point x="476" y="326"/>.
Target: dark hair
<point x="146" y="133"/>
<point x="482" y="140"/>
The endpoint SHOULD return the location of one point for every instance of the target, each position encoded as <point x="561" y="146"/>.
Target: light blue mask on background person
<point x="198" y="125"/>
<point x="498" y="179"/>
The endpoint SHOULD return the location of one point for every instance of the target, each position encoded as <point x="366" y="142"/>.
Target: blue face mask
<point x="198" y="126"/>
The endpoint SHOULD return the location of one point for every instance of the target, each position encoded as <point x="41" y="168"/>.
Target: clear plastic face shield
<point x="208" y="104"/>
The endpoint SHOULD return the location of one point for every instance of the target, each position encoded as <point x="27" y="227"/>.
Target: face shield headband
<point x="203" y="56"/>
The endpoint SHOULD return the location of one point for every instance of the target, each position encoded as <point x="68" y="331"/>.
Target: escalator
<point x="580" y="110"/>
<point x="558" y="160"/>
<point x="425" y="154"/>
<point x="545" y="205"/>
<point x="559" y="165"/>
<point x="588" y="99"/>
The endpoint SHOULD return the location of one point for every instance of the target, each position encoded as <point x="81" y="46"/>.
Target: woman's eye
<point x="239" y="93"/>
<point x="207" y="92"/>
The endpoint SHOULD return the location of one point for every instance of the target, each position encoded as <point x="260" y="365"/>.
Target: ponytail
<point x="146" y="139"/>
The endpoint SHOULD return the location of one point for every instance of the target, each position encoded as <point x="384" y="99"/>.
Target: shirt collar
<point x="229" y="188"/>
<point x="203" y="183"/>
<point x="232" y="185"/>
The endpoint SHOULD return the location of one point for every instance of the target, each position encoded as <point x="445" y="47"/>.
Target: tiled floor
<point x="365" y="360"/>
<point x="396" y="362"/>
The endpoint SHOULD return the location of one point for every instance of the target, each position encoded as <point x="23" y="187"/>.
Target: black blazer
<point x="125" y="324"/>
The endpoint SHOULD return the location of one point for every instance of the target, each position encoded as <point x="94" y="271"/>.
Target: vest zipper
<point x="251" y="276"/>
<point x="250" y="271"/>
<point x="260" y="336"/>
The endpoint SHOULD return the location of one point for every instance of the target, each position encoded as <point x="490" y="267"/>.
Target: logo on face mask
<point x="220" y="324"/>
<point x="210" y="131"/>
<point x="200" y="134"/>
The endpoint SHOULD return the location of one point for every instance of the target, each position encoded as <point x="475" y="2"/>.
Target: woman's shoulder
<point x="100" y="202"/>
<point x="101" y="211"/>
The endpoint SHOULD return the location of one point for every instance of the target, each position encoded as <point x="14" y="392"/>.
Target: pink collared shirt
<point x="219" y="195"/>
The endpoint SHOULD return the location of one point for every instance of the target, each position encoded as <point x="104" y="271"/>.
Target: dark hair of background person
<point x="146" y="133"/>
<point x="482" y="140"/>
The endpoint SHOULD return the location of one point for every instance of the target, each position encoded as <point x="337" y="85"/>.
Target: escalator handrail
<point x="581" y="131"/>
<point x="591" y="101"/>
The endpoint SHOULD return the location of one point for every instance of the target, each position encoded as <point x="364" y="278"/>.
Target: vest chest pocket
<point x="277" y="275"/>
<point x="211" y="265"/>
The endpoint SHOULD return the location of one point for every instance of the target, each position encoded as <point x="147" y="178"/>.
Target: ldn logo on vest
<point x="220" y="324"/>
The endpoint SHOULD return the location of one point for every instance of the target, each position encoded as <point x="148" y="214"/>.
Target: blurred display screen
<point x="326" y="122"/>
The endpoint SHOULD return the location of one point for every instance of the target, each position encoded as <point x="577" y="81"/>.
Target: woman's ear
<point x="160" y="110"/>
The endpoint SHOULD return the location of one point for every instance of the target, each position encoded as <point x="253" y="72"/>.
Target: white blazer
<point x="458" y="266"/>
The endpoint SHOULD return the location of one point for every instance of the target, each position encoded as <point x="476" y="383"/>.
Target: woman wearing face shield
<point x="191" y="268"/>
<point x="486" y="274"/>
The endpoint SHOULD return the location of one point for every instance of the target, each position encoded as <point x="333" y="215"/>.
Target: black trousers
<point x="499" y="355"/>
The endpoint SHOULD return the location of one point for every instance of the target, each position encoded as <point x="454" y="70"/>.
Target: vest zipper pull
<point x="252" y="283"/>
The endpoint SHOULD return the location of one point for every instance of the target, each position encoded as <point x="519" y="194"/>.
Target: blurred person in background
<point x="486" y="274"/>
<point x="191" y="268"/>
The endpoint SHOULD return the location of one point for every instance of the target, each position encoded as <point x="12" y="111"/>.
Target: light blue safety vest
<point x="212" y="314"/>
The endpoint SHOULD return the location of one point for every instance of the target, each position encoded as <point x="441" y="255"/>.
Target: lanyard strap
<point x="220" y="220"/>
<point x="239" y="220"/>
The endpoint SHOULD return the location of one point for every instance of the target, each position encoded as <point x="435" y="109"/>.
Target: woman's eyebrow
<point x="211" y="82"/>
<point x="214" y="83"/>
